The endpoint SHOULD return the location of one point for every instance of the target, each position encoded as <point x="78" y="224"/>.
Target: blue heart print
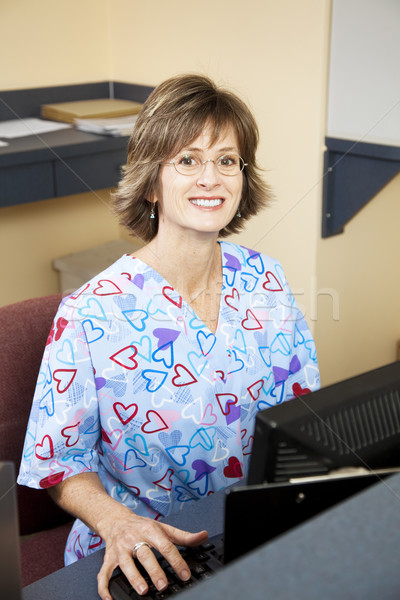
<point x="203" y="437"/>
<point x="138" y="443"/>
<point x="93" y="309"/>
<point x="281" y="343"/>
<point x="137" y="318"/>
<point x="66" y="354"/>
<point x="250" y="281"/>
<point x="164" y="354"/>
<point x="133" y="461"/>
<point x="93" y="334"/>
<point x="178" y="454"/>
<point x="197" y="361"/>
<point x="206" y="342"/>
<point x="143" y="347"/>
<point x="47" y="403"/>
<point x="184" y="495"/>
<point x="236" y="364"/>
<point x="155" y="379"/>
<point x="229" y="276"/>
<point x="256" y="262"/>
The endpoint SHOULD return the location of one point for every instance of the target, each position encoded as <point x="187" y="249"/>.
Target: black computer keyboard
<point x="203" y="561"/>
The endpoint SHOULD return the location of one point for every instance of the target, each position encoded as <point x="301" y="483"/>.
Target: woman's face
<point x="205" y="202"/>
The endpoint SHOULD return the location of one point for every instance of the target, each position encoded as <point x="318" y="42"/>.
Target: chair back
<point x="24" y="328"/>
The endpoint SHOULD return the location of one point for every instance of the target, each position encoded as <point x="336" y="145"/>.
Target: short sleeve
<point x="300" y="375"/>
<point x="63" y="428"/>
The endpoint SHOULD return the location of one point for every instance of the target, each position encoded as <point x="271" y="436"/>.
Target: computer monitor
<point x="353" y="423"/>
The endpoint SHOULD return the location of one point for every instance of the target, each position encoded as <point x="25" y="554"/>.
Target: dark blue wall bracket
<point x="354" y="172"/>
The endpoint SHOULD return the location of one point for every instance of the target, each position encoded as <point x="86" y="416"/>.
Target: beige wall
<point x="32" y="235"/>
<point x="275" y="55"/>
<point x="358" y="322"/>
<point x="51" y="43"/>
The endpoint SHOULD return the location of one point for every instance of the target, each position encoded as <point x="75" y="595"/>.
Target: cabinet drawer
<point x="90" y="172"/>
<point x="26" y="183"/>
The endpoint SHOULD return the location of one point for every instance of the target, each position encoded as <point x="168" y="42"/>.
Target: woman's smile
<point x="208" y="203"/>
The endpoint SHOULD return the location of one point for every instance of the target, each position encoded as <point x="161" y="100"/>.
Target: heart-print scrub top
<point x="135" y="387"/>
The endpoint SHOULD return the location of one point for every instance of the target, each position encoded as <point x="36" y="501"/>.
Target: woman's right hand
<point x="121" y="536"/>
<point x="84" y="496"/>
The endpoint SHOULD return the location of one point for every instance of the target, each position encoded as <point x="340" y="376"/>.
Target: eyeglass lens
<point x="191" y="164"/>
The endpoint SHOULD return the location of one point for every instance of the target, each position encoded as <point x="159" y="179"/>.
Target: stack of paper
<point x="114" y="126"/>
<point x="99" y="108"/>
<point x="16" y="128"/>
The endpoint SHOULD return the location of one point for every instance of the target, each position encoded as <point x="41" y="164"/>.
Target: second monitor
<point x="352" y="424"/>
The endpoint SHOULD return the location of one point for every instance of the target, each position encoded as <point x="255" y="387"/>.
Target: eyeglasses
<point x="191" y="164"/>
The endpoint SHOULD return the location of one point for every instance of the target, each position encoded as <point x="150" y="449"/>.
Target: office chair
<point x="44" y="527"/>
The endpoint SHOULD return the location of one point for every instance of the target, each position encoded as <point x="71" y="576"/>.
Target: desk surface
<point x="351" y="551"/>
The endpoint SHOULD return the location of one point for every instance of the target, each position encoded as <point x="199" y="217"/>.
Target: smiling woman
<point x="148" y="392"/>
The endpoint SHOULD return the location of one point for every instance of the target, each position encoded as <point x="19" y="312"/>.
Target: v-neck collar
<point x="177" y="301"/>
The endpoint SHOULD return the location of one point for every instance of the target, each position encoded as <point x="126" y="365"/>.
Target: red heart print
<point x="57" y="328"/>
<point x="299" y="391"/>
<point x="104" y="436"/>
<point x="183" y="376"/>
<point x="96" y="541"/>
<point x="116" y="433"/>
<point x="105" y="287"/>
<point x="255" y="388"/>
<point x="220" y="375"/>
<point x="154" y="422"/>
<point x="45" y="450"/>
<point x="251" y="322"/>
<point x="248" y="448"/>
<point x="232" y="299"/>
<point x="81" y="292"/>
<point x="126" y="357"/>
<point x="64" y="378"/>
<point x="129" y="412"/>
<point x="209" y="417"/>
<point x="60" y="326"/>
<point x="167" y="289"/>
<point x="225" y="402"/>
<point x="51" y="480"/>
<point x="71" y="433"/>
<point x="166" y="481"/>
<point x="234" y="468"/>
<point x="272" y="283"/>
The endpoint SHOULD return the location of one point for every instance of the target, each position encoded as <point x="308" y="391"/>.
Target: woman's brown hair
<point x="174" y="115"/>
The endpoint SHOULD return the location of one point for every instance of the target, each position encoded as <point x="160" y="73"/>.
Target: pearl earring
<point x="152" y="212"/>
